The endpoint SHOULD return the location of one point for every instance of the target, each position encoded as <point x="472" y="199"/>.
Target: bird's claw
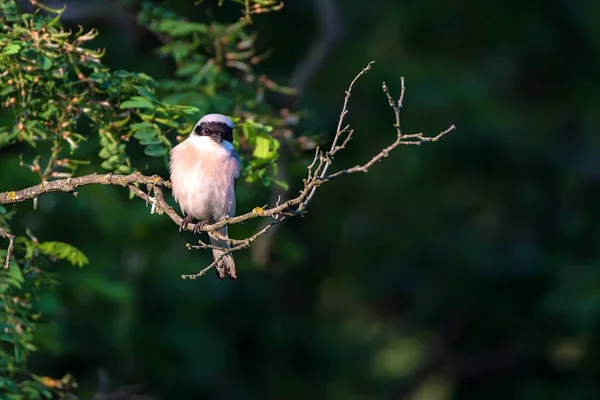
<point x="198" y="227"/>
<point x="184" y="223"/>
<point x="231" y="272"/>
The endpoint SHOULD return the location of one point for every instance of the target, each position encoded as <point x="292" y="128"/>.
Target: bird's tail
<point x="225" y="265"/>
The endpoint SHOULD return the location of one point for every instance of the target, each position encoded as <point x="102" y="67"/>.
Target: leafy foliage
<point x="20" y="286"/>
<point x="58" y="91"/>
<point x="57" y="95"/>
<point x="257" y="6"/>
<point x="220" y="80"/>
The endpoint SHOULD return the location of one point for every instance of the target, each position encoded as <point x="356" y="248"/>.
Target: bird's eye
<point x="206" y="130"/>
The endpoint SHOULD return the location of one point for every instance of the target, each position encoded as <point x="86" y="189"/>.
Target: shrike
<point x="204" y="169"/>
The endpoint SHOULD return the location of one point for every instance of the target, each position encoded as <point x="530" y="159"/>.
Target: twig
<point x="11" y="244"/>
<point x="325" y="161"/>
<point x="70" y="185"/>
<point x="242" y="244"/>
<point x="385" y="152"/>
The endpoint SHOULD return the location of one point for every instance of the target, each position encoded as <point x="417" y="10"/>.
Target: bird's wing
<point x="236" y="160"/>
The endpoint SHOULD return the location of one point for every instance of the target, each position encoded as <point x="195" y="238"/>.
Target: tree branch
<point x="316" y="176"/>
<point x="11" y="243"/>
<point x="239" y="245"/>
<point x="70" y="185"/>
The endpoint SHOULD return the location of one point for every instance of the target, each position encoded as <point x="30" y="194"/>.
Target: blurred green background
<point x="465" y="269"/>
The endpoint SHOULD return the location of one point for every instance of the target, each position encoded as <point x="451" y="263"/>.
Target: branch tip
<point x="9" y="249"/>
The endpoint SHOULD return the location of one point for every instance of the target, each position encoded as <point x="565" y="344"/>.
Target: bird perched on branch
<point x="204" y="169"/>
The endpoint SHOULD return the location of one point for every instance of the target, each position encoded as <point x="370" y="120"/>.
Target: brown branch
<point x="241" y="244"/>
<point x="9" y="249"/>
<point x="316" y="176"/>
<point x="401" y="140"/>
<point x="325" y="160"/>
<point x="70" y="185"/>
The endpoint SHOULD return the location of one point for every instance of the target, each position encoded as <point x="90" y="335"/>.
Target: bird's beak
<point x="217" y="138"/>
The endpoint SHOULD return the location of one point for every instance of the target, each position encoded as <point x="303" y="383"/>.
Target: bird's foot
<point x="221" y="273"/>
<point x="231" y="272"/>
<point x="199" y="225"/>
<point x="184" y="223"/>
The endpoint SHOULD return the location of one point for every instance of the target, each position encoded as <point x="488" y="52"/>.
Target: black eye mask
<point x="215" y="129"/>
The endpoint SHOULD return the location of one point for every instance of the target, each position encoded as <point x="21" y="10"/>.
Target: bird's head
<point x="216" y="126"/>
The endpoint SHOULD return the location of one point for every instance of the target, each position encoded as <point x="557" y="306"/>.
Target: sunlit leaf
<point x="64" y="251"/>
<point x="12" y="48"/>
<point x="283" y="184"/>
<point x="137" y="102"/>
<point x="262" y="147"/>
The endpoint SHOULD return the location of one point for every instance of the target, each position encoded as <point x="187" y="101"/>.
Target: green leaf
<point x="6" y="90"/>
<point x="124" y="169"/>
<point x="98" y="76"/>
<point x="146" y="93"/>
<point x="7" y="338"/>
<point x="55" y="20"/>
<point x="155" y="150"/>
<point x="105" y="153"/>
<point x="45" y="63"/>
<point x="146" y="133"/>
<point x="137" y="102"/>
<point x="64" y="251"/>
<point x="107" y="165"/>
<point x="19" y="356"/>
<point x="263" y="147"/>
<point x="283" y="184"/>
<point x="147" y="141"/>
<point x="188" y="69"/>
<point x="12" y="48"/>
<point x="14" y="276"/>
<point x="189" y="110"/>
<point x="121" y="123"/>
<point x="140" y="125"/>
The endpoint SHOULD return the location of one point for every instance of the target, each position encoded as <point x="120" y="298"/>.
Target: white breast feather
<point x="202" y="176"/>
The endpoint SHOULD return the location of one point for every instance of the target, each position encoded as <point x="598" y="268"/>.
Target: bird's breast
<point x="202" y="178"/>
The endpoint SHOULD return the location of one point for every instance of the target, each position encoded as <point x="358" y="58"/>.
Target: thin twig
<point x="11" y="244"/>
<point x="401" y="140"/>
<point x="338" y="132"/>
<point x="241" y="245"/>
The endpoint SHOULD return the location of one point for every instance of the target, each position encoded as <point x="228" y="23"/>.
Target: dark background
<point x="465" y="269"/>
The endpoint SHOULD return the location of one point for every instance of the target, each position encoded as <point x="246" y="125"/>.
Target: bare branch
<point x="70" y="185"/>
<point x="317" y="175"/>
<point x="9" y="249"/>
<point x="326" y="160"/>
<point x="241" y="244"/>
<point x="401" y="140"/>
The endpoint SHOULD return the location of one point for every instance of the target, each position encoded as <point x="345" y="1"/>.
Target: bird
<point x="204" y="169"/>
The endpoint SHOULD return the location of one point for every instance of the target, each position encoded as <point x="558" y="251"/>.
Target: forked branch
<point x="317" y="174"/>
